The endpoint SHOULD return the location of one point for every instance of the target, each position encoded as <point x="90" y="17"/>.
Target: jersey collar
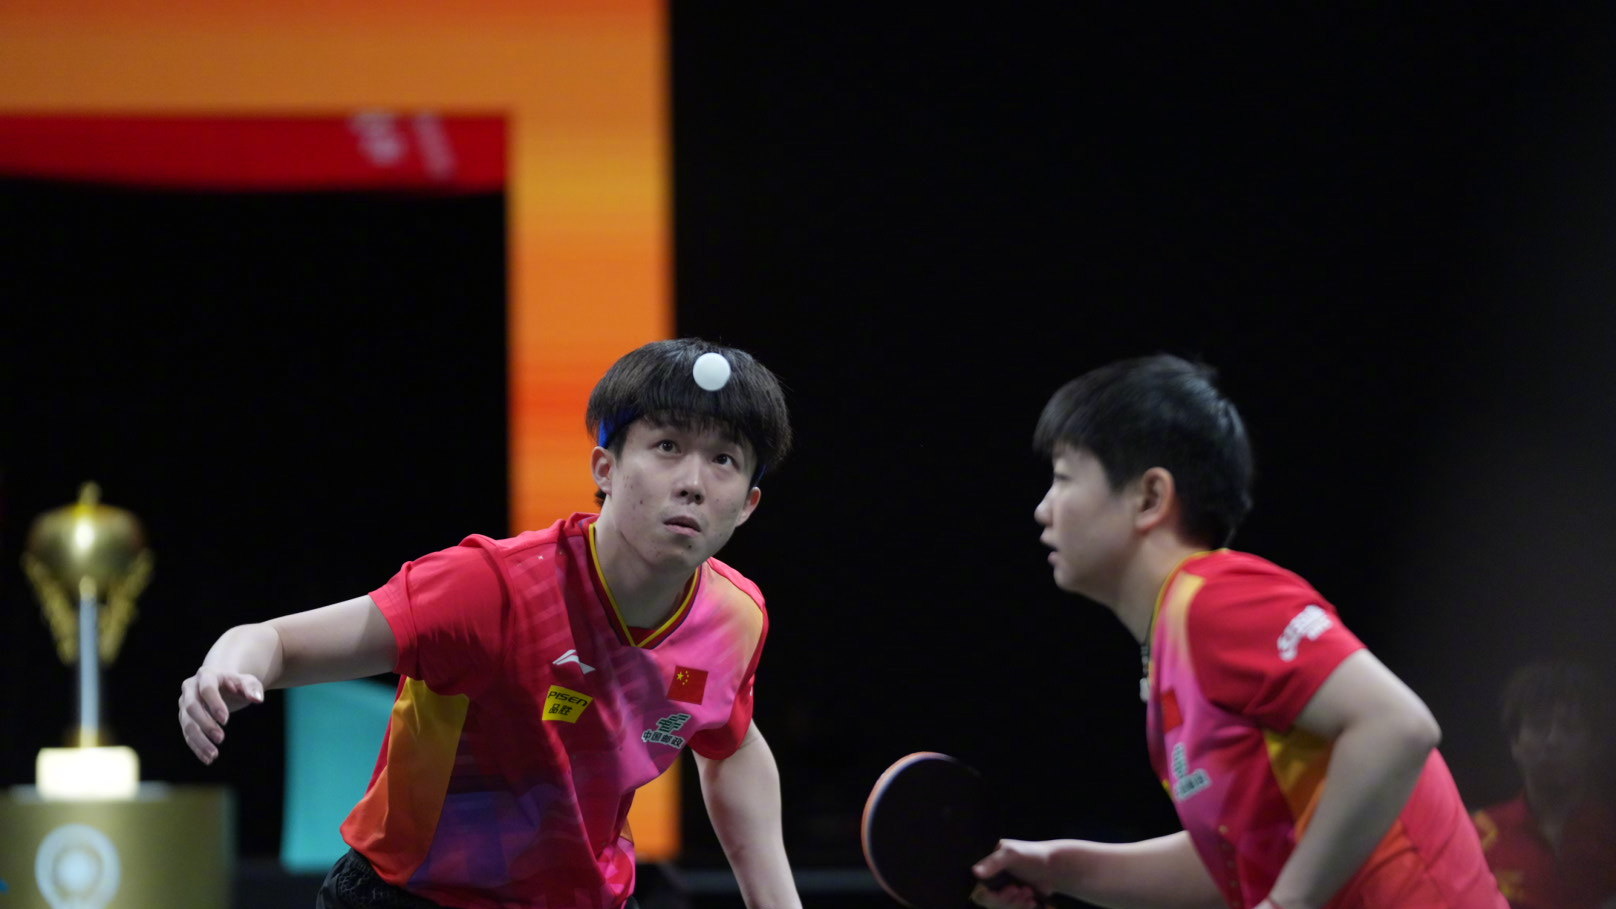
<point x="614" y="615"/>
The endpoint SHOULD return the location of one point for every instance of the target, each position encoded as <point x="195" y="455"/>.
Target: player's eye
<point x="667" y="445"/>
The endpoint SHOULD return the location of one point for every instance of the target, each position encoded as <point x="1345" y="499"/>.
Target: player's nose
<point x="1040" y="512"/>
<point x="688" y="482"/>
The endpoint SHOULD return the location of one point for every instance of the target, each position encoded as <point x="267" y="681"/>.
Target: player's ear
<point x="601" y="464"/>
<point x="752" y="500"/>
<point x="1157" y="498"/>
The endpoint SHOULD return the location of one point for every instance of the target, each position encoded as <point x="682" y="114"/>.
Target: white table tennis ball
<point x="711" y="371"/>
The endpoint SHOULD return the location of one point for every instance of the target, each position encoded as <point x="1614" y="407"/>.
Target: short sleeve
<point x="721" y="741"/>
<point x="447" y="611"/>
<point x="1262" y="645"/>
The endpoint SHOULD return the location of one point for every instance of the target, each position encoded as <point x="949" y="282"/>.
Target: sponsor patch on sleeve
<point x="1307" y="626"/>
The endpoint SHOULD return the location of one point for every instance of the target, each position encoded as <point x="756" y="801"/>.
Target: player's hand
<point x="206" y="701"/>
<point x="1028" y="862"/>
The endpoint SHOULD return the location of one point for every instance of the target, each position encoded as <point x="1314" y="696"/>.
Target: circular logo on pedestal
<point x="77" y="868"/>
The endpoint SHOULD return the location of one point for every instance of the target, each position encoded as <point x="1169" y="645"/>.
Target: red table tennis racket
<point x="927" y="820"/>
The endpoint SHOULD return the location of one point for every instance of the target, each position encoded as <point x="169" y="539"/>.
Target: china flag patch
<point x="689" y="685"/>
<point x="1171" y="716"/>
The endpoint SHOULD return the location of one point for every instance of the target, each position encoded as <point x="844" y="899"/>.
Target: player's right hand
<point x="1028" y="862"/>
<point x="206" y="701"/>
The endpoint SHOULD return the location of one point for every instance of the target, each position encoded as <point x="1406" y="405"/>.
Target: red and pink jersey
<point x="1239" y="647"/>
<point x="528" y="713"/>
<point x="1532" y="874"/>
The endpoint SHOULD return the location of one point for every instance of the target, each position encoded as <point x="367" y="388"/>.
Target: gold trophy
<point x="88" y="562"/>
<point x="91" y="835"/>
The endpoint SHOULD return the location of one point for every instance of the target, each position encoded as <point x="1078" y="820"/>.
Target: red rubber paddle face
<point x="926" y="821"/>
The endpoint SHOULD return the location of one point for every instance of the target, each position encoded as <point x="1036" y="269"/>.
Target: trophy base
<point x="108" y="772"/>
<point x="168" y="846"/>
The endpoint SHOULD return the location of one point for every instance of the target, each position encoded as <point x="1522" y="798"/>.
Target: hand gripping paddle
<point x="928" y="819"/>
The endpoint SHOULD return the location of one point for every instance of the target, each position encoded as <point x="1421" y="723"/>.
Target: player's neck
<point x="1553" y="803"/>
<point x="1157" y="557"/>
<point x="646" y="600"/>
<point x="645" y="594"/>
<point x="653" y="607"/>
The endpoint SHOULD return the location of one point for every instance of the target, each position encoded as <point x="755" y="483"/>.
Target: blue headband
<point x="609" y="427"/>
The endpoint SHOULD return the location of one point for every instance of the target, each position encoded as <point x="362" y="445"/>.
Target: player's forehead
<point x="699" y="430"/>
<point x="1068" y="458"/>
<point x="1563" y="716"/>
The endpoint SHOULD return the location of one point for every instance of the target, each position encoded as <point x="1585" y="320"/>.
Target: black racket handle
<point x="1005" y="879"/>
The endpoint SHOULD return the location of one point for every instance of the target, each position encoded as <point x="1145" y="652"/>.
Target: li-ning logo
<point x="663" y="734"/>
<point x="571" y="656"/>
<point x="1187" y="782"/>
<point x="1309" y="623"/>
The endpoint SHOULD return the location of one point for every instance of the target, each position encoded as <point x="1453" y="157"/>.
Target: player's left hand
<point x="1028" y="862"/>
<point x="1010" y="896"/>
<point x="206" y="701"/>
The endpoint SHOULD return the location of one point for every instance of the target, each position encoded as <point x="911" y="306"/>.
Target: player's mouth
<point x="684" y="525"/>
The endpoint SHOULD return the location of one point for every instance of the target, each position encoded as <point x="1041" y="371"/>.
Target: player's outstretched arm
<point x="347" y="640"/>
<point x="1161" y="873"/>
<point x="742" y="793"/>
<point x="1383" y="735"/>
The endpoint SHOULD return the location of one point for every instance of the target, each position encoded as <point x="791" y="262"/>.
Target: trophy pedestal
<point x="106" y="772"/>
<point x="168" y="846"/>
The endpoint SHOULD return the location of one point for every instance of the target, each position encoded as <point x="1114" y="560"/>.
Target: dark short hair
<point x="1159" y="411"/>
<point x="655" y="382"/>
<point x="1542" y="687"/>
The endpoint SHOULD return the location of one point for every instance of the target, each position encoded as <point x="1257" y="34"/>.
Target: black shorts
<point x="353" y="884"/>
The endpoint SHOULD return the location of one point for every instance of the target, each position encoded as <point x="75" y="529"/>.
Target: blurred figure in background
<point x="1553" y="846"/>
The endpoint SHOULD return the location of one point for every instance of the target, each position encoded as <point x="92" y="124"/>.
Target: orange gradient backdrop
<point x="583" y="87"/>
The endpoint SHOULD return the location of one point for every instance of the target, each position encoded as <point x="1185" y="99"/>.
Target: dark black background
<point x="293" y="393"/>
<point x="1391" y="231"/>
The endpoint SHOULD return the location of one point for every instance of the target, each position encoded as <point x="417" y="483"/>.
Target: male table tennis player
<point x="1305" y="774"/>
<point x="545" y="677"/>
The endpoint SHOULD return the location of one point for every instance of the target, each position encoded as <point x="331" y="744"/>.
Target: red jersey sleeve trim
<point x="717" y="744"/>
<point x="393" y="601"/>
<point x="447" y="610"/>
<point x="1303" y="692"/>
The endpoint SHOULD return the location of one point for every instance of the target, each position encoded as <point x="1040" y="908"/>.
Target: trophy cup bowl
<point x="88" y="541"/>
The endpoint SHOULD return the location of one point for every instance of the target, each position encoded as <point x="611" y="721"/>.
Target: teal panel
<point x="333" y="735"/>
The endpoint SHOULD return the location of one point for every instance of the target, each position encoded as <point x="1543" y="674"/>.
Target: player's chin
<point x="686" y="553"/>
<point x="713" y="540"/>
<point x="1064" y="580"/>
